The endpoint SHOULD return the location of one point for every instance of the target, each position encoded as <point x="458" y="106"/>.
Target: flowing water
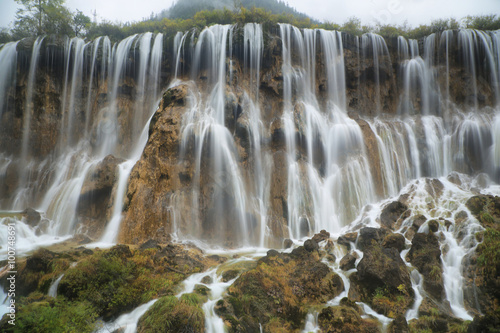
<point x="53" y="287"/>
<point x="109" y="93"/>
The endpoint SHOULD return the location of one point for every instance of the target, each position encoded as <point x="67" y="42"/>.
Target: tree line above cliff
<point x="42" y="17"/>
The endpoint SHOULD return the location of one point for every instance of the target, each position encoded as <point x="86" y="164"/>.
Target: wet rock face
<point x="425" y="255"/>
<point x="392" y="213"/>
<point x="95" y="204"/>
<point x="382" y="279"/>
<point x="278" y="287"/>
<point x="482" y="279"/>
<point x="157" y="175"/>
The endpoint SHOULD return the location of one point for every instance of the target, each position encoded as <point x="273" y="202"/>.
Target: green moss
<point x="170" y="314"/>
<point x="489" y="252"/>
<point x="53" y="315"/>
<point x="114" y="283"/>
<point x="486" y="219"/>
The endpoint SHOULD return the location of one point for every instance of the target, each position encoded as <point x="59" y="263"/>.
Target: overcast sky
<point x="369" y="11"/>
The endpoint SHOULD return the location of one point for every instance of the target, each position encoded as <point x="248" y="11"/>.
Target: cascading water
<point x="8" y="63"/>
<point x="340" y="184"/>
<point x="53" y="287"/>
<point x="27" y="119"/>
<point x="63" y="173"/>
<point x="333" y="176"/>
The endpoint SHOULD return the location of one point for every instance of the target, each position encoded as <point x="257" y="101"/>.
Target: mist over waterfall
<point x="241" y="138"/>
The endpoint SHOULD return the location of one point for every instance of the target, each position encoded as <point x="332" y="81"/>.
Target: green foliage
<point x="188" y="8"/>
<point x="81" y="23"/>
<point x="489" y="249"/>
<point x="482" y="22"/>
<point x="38" y="17"/>
<point x="113" y="284"/>
<point x="353" y="26"/>
<point x="435" y="273"/>
<point x="54" y="315"/>
<point x="42" y="17"/>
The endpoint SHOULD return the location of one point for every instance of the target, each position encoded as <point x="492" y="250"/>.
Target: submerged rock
<point x="31" y="217"/>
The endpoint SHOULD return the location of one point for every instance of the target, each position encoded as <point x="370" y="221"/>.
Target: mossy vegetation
<point x="170" y="314"/>
<point x="39" y="313"/>
<point x="489" y="252"/>
<point x="279" y="292"/>
<point x="269" y="19"/>
<point x="100" y="284"/>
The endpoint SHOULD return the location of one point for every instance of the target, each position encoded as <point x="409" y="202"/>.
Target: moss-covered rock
<point x="383" y="281"/>
<point x="425" y="255"/>
<point x="39" y="270"/>
<point x="345" y="319"/>
<point x="40" y="314"/>
<point x="280" y="289"/>
<point x="486" y="208"/>
<point x="170" y="314"/>
<point x="118" y="280"/>
<point x="482" y="280"/>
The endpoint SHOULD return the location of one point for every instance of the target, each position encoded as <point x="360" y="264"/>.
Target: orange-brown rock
<point x="157" y="175"/>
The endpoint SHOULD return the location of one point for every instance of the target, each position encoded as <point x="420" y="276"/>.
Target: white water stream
<point x="329" y="180"/>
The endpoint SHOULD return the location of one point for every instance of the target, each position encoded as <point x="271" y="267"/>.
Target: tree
<point x="81" y="23"/>
<point x="39" y="17"/>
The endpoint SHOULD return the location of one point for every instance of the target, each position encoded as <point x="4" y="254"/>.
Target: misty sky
<point x="415" y="12"/>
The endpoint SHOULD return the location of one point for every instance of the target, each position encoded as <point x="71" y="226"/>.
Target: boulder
<point x="150" y="244"/>
<point x="370" y="236"/>
<point x="398" y="325"/>
<point x="345" y="319"/>
<point x="383" y="281"/>
<point x="282" y="286"/>
<point x="392" y="213"/>
<point x="321" y="236"/>
<point x="311" y="245"/>
<point x="31" y="217"/>
<point x="425" y="255"/>
<point x="287" y="243"/>
<point x="396" y="241"/>
<point x="347" y="239"/>
<point x="347" y="262"/>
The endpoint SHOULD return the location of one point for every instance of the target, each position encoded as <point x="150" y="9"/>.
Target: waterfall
<point x="354" y="130"/>
<point x="53" y="287"/>
<point x="110" y="234"/>
<point x="29" y="107"/>
<point x="8" y="64"/>
<point x="375" y="44"/>
<point x="88" y="109"/>
<point x="108" y="126"/>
